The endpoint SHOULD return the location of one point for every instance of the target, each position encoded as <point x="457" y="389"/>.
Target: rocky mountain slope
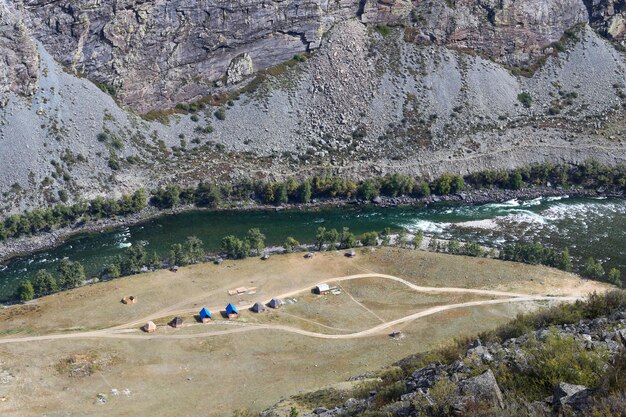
<point x="375" y="87"/>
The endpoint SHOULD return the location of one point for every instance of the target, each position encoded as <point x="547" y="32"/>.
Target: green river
<point x="589" y="227"/>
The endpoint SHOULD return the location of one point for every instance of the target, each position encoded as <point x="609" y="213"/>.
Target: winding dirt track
<point x="129" y="331"/>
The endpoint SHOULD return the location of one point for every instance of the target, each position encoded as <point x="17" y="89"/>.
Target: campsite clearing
<point x="316" y="341"/>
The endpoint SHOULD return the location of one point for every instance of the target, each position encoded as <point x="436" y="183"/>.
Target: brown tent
<point x="176" y="322"/>
<point x="149" y="327"/>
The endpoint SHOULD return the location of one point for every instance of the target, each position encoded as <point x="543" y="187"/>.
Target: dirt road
<point x="129" y="331"/>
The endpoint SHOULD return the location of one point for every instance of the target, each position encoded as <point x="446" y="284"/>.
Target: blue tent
<point x="231" y="309"/>
<point x="205" y="314"/>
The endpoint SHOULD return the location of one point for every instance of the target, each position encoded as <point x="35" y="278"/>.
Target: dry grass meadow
<point x="212" y="375"/>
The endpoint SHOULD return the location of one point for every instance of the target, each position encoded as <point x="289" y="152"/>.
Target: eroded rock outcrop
<point x="160" y="53"/>
<point x="609" y="17"/>
<point x="513" y="32"/>
<point x="18" y="56"/>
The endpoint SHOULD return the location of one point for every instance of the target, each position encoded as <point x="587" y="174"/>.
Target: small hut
<point x="308" y="255"/>
<point x="351" y="254"/>
<point x="205" y="315"/>
<point x="258" y="307"/>
<point x="129" y="300"/>
<point x="275" y="303"/>
<point x="265" y="257"/>
<point x="149" y="327"/>
<point x="321" y="289"/>
<point x="231" y="311"/>
<point x="176" y="322"/>
<point x="218" y="261"/>
<point x="174" y="268"/>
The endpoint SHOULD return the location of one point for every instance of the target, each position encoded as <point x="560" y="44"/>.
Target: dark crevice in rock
<point x="300" y="35"/>
<point x="361" y="8"/>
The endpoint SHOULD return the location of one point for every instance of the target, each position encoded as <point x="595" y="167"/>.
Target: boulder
<point x="574" y="398"/>
<point x="240" y="67"/>
<point x="425" y="377"/>
<point x="564" y="390"/>
<point x="483" y="388"/>
<point x="622" y="335"/>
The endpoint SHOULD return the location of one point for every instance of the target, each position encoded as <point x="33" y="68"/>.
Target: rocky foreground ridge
<point x="508" y="378"/>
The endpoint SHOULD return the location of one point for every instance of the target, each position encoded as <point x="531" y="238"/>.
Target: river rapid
<point x="587" y="226"/>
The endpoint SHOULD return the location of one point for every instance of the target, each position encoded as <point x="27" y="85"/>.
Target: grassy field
<point x="212" y="376"/>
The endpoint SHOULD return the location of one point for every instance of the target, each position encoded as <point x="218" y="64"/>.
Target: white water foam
<point x="506" y="204"/>
<point x="533" y="202"/>
<point x="558" y="198"/>
<point x="426" y="226"/>
<point x="582" y="210"/>
<point x="485" y="224"/>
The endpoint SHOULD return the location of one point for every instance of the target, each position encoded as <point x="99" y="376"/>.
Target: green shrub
<point x="63" y="196"/>
<point x="614" y="277"/>
<point x="390" y="392"/>
<point x="328" y="398"/>
<point x="525" y="98"/>
<point x="103" y="137"/>
<point x="25" y="291"/>
<point x="114" y="164"/>
<point x="593" y="269"/>
<point x="551" y="361"/>
<point x="383" y="30"/>
<point x="117" y="143"/>
<point x="442" y="395"/>
<point x="220" y="113"/>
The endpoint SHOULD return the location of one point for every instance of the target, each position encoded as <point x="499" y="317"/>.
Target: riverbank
<point x="22" y="246"/>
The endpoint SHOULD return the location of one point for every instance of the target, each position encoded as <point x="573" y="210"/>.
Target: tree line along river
<point x="587" y="226"/>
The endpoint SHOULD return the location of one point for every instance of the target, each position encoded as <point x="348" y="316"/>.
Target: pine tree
<point x="25" y="291"/>
<point x="565" y="261"/>
<point x="44" y="283"/>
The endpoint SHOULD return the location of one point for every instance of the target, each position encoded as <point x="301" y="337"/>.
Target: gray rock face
<point x="509" y="31"/>
<point x="160" y="53"/>
<point x="18" y="56"/>
<point x="609" y="18"/>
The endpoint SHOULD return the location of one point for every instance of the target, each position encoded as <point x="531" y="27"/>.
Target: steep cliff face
<point x="159" y="53"/>
<point x="18" y="56"/>
<point x="156" y="54"/>
<point x="514" y="32"/>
